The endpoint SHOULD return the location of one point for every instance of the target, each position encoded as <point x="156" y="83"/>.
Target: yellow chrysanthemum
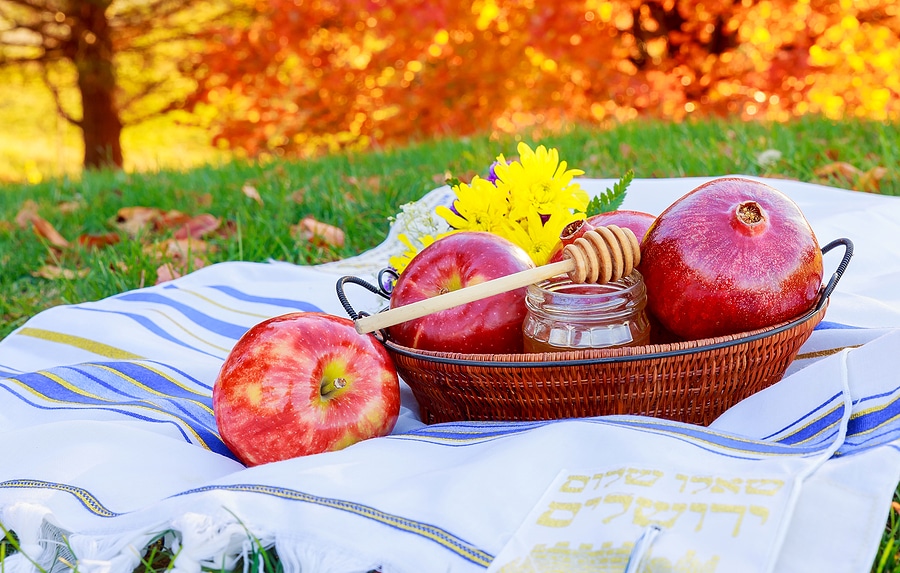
<point x="539" y="236"/>
<point x="401" y="261"/>
<point x="480" y="206"/>
<point x="539" y="182"/>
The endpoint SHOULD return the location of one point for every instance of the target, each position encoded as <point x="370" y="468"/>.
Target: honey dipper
<point x="601" y="255"/>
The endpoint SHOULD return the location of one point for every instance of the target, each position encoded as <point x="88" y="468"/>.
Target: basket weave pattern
<point x="692" y="382"/>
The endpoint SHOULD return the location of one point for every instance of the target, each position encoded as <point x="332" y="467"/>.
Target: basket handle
<point x="386" y="279"/>
<point x="839" y="272"/>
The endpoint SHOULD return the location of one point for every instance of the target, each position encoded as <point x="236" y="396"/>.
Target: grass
<point x="359" y="192"/>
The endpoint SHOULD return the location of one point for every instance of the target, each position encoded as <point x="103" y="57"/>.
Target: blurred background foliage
<point x="145" y="84"/>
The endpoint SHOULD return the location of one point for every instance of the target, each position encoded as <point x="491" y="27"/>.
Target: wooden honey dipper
<point x="601" y="255"/>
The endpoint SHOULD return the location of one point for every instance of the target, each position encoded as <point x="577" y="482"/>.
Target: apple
<point x="637" y="221"/>
<point x="304" y="383"/>
<point x="731" y="255"/>
<point x="490" y="325"/>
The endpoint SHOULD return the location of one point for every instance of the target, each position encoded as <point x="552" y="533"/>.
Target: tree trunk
<point x="100" y="124"/>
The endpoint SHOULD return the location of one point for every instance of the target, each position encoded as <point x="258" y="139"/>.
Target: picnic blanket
<point x="110" y="443"/>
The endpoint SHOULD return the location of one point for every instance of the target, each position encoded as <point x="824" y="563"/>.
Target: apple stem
<point x="329" y="387"/>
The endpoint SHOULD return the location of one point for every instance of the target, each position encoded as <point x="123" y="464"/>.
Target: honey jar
<point x="563" y="315"/>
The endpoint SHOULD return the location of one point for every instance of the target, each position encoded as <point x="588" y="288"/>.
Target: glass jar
<point x="563" y="315"/>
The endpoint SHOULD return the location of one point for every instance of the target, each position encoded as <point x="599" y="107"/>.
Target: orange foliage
<point x="303" y="76"/>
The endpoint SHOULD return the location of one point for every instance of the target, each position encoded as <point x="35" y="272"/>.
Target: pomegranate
<point x="637" y="221"/>
<point x="730" y="256"/>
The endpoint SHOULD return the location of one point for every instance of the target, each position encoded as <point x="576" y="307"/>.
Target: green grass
<point x="359" y="192"/>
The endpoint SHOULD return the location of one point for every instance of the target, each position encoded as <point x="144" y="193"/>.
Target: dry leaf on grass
<point x="54" y="272"/>
<point x="318" y="233"/>
<point x="26" y="213"/>
<point x="45" y="230"/>
<point x="854" y="177"/>
<point x="198" y="227"/>
<point x="251" y="191"/>
<point x="136" y="220"/>
<point x="372" y="182"/>
<point x="870" y="181"/>
<point x="839" y="170"/>
<point x="174" y="270"/>
<point x="99" y="241"/>
<point x="69" y="206"/>
<point x="299" y="195"/>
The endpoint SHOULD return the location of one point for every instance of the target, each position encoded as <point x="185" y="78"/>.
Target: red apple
<point x="304" y="383"/>
<point x="730" y="256"/>
<point x="637" y="221"/>
<point x="466" y="258"/>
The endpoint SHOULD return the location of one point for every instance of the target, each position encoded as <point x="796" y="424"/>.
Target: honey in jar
<point x="563" y="315"/>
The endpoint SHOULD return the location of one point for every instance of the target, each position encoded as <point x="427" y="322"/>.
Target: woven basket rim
<point x="608" y="355"/>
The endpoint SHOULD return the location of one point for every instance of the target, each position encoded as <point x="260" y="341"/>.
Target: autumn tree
<point x="305" y="76"/>
<point x="120" y="56"/>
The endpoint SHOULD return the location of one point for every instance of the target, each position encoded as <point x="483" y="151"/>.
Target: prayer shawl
<point x="110" y="443"/>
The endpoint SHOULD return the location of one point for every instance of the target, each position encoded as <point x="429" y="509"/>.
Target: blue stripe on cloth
<point x="182" y="373"/>
<point x="828" y="325"/>
<point x="466" y="433"/>
<point x="713" y="441"/>
<point x="809" y="431"/>
<point x="4" y="372"/>
<point x="128" y="389"/>
<point x="436" y="534"/>
<point x="285" y="302"/>
<point x="75" y="406"/>
<point x="193" y="412"/>
<point x="226" y="329"/>
<point x="153" y="328"/>
<point x="806" y="416"/>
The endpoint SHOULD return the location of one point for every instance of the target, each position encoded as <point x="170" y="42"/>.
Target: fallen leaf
<point x="46" y="231"/>
<point x="69" y="206"/>
<point x="178" y="248"/>
<point x="198" y="227"/>
<point x="299" y="195"/>
<point x="53" y="272"/>
<point x="318" y="233"/>
<point x="172" y="270"/>
<point x="250" y="191"/>
<point x="135" y="220"/>
<point x="99" y="241"/>
<point x="204" y="200"/>
<point x="171" y="220"/>
<point x="373" y="181"/>
<point x="26" y="213"/>
<point x="870" y="181"/>
<point x="839" y="170"/>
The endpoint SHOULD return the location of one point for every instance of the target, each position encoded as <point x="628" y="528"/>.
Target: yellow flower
<point x="480" y="206"/>
<point x="401" y="261"/>
<point x="539" y="238"/>
<point x="539" y="182"/>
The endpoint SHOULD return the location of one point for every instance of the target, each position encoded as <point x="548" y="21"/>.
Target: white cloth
<point x="110" y="442"/>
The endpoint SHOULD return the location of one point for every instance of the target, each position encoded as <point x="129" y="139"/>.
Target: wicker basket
<point x="692" y="382"/>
